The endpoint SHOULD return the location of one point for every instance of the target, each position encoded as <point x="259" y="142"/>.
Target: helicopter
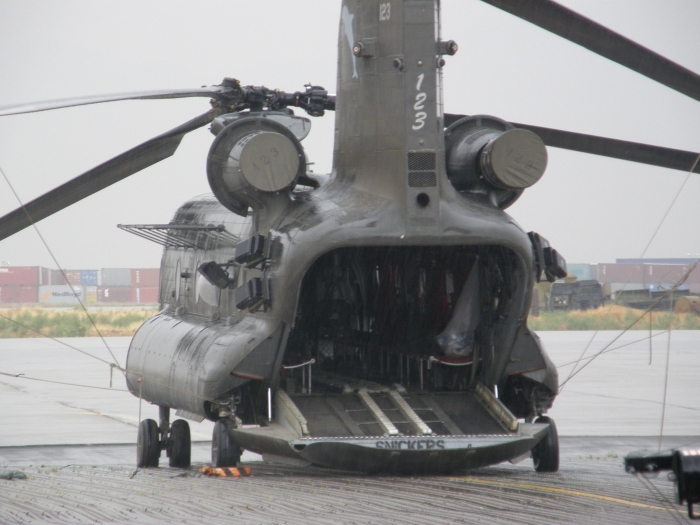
<point x="398" y="280"/>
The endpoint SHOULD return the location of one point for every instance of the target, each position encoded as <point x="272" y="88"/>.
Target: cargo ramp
<point x="371" y="427"/>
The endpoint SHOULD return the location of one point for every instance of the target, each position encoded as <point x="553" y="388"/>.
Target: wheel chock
<point x="225" y="472"/>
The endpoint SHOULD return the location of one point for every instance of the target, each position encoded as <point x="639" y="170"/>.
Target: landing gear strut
<point x="545" y="455"/>
<point x="174" y="439"/>
<point x="225" y="451"/>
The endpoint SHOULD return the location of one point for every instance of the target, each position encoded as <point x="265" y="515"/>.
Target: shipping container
<point x="620" y="273"/>
<point x="147" y="295"/>
<point x="74" y="276"/>
<point x="116" y="294"/>
<point x="145" y="277"/>
<point x="88" y="277"/>
<point x="44" y="276"/>
<point x="61" y="294"/>
<point x="90" y="294"/>
<point x="18" y="293"/>
<point x="663" y="273"/>
<point x="694" y="275"/>
<point x="656" y="261"/>
<point x="57" y="278"/>
<point x="27" y="275"/>
<point x="109" y="277"/>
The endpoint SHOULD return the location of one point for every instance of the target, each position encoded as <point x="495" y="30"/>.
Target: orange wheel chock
<point x="225" y="472"/>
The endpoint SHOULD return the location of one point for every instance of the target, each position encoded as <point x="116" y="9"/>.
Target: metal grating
<point x="195" y="236"/>
<point x="421" y="160"/>
<point x="422" y="179"/>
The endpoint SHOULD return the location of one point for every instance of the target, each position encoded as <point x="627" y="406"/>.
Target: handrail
<point x="303" y="377"/>
<point x="434" y="359"/>
<point x="291" y="367"/>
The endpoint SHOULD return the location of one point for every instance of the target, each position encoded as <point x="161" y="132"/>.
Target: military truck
<point x="578" y="295"/>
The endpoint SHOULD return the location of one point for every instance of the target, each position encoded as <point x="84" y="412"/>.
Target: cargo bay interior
<point x="375" y="328"/>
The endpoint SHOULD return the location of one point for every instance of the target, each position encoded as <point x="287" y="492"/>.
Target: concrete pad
<point x="83" y="410"/>
<point x="618" y="394"/>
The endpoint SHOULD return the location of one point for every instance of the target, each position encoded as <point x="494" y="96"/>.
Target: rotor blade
<point x="32" y="107"/>
<point x="618" y="149"/>
<point x="601" y="40"/>
<point x="102" y="176"/>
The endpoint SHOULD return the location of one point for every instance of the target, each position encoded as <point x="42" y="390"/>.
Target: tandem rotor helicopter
<point x="374" y="318"/>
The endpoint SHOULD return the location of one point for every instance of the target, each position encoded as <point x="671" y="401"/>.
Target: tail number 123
<point x="420" y="115"/>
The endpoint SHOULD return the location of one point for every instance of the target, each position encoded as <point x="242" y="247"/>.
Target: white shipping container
<point x="61" y="294"/>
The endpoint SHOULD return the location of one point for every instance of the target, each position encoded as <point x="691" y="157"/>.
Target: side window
<point x="206" y="291"/>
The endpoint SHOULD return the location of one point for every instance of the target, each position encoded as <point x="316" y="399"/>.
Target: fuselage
<point x="363" y="275"/>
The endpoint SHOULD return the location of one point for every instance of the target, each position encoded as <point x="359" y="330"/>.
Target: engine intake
<point x="488" y="153"/>
<point x="252" y="158"/>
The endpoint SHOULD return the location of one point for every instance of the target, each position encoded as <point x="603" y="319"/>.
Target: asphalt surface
<point x="77" y="447"/>
<point x="591" y="487"/>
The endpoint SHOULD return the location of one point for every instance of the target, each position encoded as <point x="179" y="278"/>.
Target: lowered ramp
<point x="391" y="429"/>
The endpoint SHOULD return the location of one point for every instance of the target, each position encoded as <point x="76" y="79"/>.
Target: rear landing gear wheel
<point x="180" y="444"/>
<point x="545" y="455"/>
<point x="148" y="444"/>
<point x="225" y="451"/>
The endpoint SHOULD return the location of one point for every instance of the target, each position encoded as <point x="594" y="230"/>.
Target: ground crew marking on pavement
<point x="555" y="490"/>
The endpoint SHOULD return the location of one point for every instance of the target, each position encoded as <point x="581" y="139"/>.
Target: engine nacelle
<point x="487" y="154"/>
<point x="252" y="159"/>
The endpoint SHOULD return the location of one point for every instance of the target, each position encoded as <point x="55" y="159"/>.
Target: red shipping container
<point x="620" y="273"/>
<point x="74" y="276"/>
<point x="116" y="294"/>
<point x="14" y="293"/>
<point x="145" y="277"/>
<point x="694" y="276"/>
<point x="147" y="295"/>
<point x="662" y="273"/>
<point x="57" y="278"/>
<point x="670" y="273"/>
<point x="27" y="275"/>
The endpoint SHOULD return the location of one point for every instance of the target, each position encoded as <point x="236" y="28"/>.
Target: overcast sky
<point x="592" y="209"/>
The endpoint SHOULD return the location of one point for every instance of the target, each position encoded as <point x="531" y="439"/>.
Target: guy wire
<point x="663" y="408"/>
<point x="59" y="341"/>
<point x="653" y="236"/>
<point x="675" y="286"/>
<point x="59" y="266"/>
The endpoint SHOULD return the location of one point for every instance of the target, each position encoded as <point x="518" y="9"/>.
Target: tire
<point x="180" y="444"/>
<point x="545" y="455"/>
<point x="148" y="444"/>
<point x="225" y="451"/>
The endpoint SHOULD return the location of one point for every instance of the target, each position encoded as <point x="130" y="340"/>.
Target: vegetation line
<point x="49" y="322"/>
<point x="613" y="318"/>
<point x="46" y="322"/>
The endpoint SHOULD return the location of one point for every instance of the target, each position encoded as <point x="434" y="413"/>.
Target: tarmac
<point x="104" y="487"/>
<point x="77" y="447"/>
